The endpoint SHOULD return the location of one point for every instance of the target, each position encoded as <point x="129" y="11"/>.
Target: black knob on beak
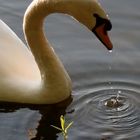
<point x="108" y="25"/>
<point x="100" y="30"/>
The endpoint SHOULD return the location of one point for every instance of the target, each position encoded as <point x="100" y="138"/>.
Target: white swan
<point x="38" y="76"/>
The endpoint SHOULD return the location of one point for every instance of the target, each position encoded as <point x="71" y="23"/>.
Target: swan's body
<point x="40" y="78"/>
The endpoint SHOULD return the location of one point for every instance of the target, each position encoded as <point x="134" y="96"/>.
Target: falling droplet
<point x="111" y="87"/>
<point x="119" y="92"/>
<point x="110" y="51"/>
<point x="110" y="84"/>
<point x="110" y="68"/>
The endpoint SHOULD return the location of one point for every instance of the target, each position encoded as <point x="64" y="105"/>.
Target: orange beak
<point x="102" y="35"/>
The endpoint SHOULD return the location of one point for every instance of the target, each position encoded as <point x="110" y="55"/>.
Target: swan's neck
<point x="55" y="80"/>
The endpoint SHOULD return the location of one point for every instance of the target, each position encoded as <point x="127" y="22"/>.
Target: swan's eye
<point x="102" y="21"/>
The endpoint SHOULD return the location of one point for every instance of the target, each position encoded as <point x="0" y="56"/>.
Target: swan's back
<point x="15" y="58"/>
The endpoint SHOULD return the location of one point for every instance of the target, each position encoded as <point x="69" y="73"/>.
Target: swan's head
<point x="88" y="12"/>
<point x="91" y="14"/>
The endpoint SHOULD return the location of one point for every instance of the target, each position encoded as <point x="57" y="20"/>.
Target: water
<point x="98" y="77"/>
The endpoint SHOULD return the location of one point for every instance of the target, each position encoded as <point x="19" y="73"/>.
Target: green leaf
<point x="57" y="128"/>
<point x="68" y="126"/>
<point x="62" y="120"/>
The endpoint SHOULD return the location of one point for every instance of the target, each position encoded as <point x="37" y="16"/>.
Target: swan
<point x="35" y="74"/>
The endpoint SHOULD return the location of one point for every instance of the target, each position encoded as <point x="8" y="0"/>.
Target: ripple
<point x="118" y="122"/>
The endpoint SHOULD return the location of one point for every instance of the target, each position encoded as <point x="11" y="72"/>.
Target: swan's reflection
<point x="50" y="115"/>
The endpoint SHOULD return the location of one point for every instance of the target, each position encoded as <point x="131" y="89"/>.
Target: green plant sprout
<point x="64" y="128"/>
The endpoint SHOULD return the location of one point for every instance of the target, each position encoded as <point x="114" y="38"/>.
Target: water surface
<point x="97" y="76"/>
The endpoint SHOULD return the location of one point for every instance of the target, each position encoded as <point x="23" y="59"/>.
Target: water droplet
<point x="119" y="92"/>
<point x="110" y="84"/>
<point x="111" y="87"/>
<point x="110" y="51"/>
<point x="110" y="68"/>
